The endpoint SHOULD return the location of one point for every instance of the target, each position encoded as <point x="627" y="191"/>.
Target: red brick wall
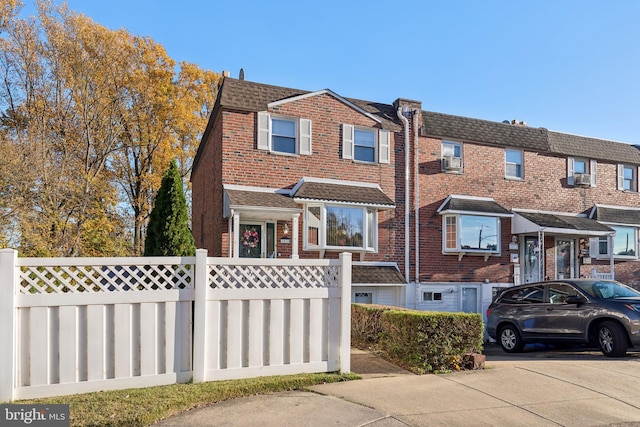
<point x="231" y="157"/>
<point x="235" y="143"/>
<point x="544" y="188"/>
<point x="207" y="196"/>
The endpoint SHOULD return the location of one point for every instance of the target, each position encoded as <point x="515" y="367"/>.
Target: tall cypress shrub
<point x="168" y="232"/>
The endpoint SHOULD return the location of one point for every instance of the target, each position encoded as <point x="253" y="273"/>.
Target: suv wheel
<point x="612" y="339"/>
<point x="510" y="340"/>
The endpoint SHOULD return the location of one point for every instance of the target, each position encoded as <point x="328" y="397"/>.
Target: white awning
<point x="525" y="222"/>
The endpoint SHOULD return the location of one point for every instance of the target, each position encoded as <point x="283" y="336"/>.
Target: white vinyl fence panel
<point x="75" y="325"/>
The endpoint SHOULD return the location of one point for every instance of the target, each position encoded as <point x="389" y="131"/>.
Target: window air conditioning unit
<point x="452" y="163"/>
<point x="582" y="179"/>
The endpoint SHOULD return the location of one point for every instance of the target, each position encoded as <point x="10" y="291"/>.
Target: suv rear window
<point x="526" y="295"/>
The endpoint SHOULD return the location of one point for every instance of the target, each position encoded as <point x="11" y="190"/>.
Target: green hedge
<point x="419" y="341"/>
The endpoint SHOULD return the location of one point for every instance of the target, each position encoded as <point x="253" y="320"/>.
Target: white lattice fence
<point x="273" y="317"/>
<point x="253" y="276"/>
<point x="89" y="324"/>
<point x="101" y="277"/>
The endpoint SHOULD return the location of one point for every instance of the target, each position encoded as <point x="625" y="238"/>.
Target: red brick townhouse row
<point x="438" y="210"/>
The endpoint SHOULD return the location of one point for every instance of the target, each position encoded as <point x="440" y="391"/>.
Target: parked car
<point x="605" y="313"/>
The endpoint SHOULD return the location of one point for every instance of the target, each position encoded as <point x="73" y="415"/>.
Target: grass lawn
<point x="144" y="406"/>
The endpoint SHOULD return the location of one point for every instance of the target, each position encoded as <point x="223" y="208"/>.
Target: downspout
<point x="416" y="202"/>
<point x="231" y="236"/>
<point x="406" y="194"/>
<point x="611" y="263"/>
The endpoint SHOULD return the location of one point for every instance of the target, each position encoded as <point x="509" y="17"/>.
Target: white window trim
<point x="432" y="300"/>
<point x="636" y="172"/>
<point x="592" y="166"/>
<point x="382" y="144"/>
<point x="303" y="133"/>
<point x="369" y="247"/>
<point x="594" y="245"/>
<point x="458" y="250"/>
<point x="506" y="163"/>
<point x="442" y="156"/>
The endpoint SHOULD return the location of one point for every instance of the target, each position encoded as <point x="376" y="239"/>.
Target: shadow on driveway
<point x="550" y="352"/>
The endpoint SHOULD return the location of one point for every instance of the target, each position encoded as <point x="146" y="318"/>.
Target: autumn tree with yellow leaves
<point x="89" y="118"/>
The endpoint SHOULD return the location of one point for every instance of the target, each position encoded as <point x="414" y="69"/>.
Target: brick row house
<point x="438" y="210"/>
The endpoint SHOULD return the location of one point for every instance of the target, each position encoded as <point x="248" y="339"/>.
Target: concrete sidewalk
<point x="581" y="389"/>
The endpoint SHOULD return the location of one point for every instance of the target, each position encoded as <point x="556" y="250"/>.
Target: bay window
<point x="471" y="233"/>
<point x="340" y="227"/>
<point x="624" y="243"/>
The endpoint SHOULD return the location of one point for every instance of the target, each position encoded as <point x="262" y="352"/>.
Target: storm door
<point x="531" y="259"/>
<point x="565" y="265"/>
<point x="257" y="240"/>
<point x="251" y="243"/>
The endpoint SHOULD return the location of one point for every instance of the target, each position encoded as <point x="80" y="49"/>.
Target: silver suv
<point x="605" y="313"/>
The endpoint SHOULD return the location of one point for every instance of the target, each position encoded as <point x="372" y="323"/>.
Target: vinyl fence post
<point x="345" y="315"/>
<point x="8" y="320"/>
<point x="200" y="316"/>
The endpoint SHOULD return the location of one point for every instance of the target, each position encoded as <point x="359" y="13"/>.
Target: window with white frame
<point x="581" y="172"/>
<point x="284" y="135"/>
<point x="451" y="156"/>
<point x="340" y="227"/>
<point x="471" y="233"/>
<point x="364" y="144"/>
<point x="429" y="296"/>
<point x="625" y="243"/>
<point x="628" y="178"/>
<point x="514" y="164"/>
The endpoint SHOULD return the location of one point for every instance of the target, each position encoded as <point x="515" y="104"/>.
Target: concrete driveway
<point x="536" y="388"/>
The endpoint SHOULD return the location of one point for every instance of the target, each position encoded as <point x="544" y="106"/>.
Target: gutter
<point x="405" y="122"/>
<point x="416" y="203"/>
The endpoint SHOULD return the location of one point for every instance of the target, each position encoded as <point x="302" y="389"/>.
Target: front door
<point x="251" y="240"/>
<point x="531" y="259"/>
<point x="470" y="300"/>
<point x="257" y="240"/>
<point x="565" y="267"/>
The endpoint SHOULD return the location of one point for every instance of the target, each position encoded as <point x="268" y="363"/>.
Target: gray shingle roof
<point x="251" y="96"/>
<point x="461" y="204"/>
<point x="593" y="148"/>
<point x="569" y="222"/>
<point x="260" y="199"/>
<point x="343" y="193"/>
<point x="617" y="216"/>
<point x="376" y="274"/>
<point x="475" y="130"/>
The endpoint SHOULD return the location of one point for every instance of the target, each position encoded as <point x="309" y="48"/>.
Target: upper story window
<point x="451" y="156"/>
<point x="581" y="172"/>
<point x="628" y="178"/>
<point x="625" y="244"/>
<point x="340" y="227"/>
<point x="514" y="164"/>
<point x="471" y="233"/>
<point x="285" y="135"/>
<point x="366" y="144"/>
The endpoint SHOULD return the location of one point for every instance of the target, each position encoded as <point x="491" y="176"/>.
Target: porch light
<point x="285" y="228"/>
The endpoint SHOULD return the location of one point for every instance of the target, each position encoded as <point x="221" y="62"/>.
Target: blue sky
<point x="567" y="65"/>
